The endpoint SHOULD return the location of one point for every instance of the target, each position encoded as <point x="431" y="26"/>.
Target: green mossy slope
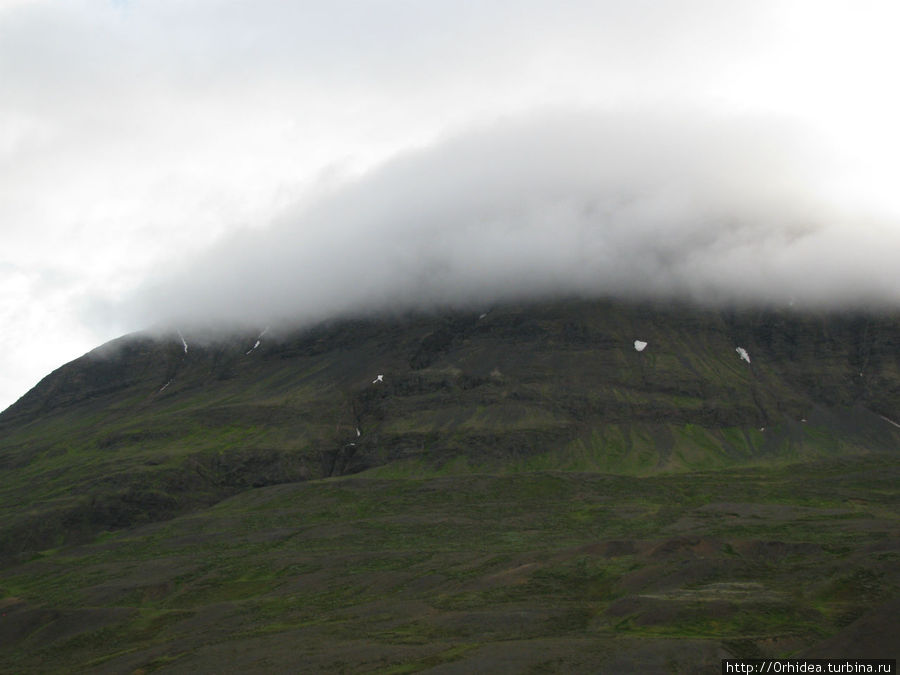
<point x="140" y="429"/>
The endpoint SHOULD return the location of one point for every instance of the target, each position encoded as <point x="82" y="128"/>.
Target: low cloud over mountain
<point x="151" y="152"/>
<point x="714" y="209"/>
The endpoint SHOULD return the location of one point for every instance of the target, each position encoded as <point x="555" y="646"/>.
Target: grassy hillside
<point x="517" y="474"/>
<point x="529" y="572"/>
<point x="141" y="429"/>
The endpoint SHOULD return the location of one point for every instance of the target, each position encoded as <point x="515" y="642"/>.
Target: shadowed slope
<point x="529" y="491"/>
<point x="144" y="428"/>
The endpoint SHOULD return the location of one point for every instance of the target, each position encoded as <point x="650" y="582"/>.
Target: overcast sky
<point x="244" y="162"/>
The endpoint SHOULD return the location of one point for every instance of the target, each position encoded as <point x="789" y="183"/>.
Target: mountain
<point x="519" y="466"/>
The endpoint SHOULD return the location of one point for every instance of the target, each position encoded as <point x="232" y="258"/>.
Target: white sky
<point x="136" y="138"/>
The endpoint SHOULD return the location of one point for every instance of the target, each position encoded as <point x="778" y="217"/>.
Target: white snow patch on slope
<point x="743" y="353"/>
<point x="889" y="421"/>
<point x="258" y="341"/>
<point x="379" y="378"/>
<point x="183" y="341"/>
<point x="640" y="345"/>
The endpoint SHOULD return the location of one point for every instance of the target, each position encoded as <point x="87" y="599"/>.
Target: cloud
<point x="711" y="208"/>
<point x="134" y="135"/>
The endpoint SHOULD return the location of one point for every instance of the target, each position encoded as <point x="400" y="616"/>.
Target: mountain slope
<point x="527" y="572"/>
<point x="144" y="428"/>
<point x="520" y="489"/>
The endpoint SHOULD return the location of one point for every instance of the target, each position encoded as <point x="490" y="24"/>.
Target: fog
<point x="712" y="209"/>
<point x="252" y="162"/>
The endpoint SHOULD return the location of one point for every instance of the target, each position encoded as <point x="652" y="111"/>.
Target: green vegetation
<point x="525" y="492"/>
<point x="399" y="575"/>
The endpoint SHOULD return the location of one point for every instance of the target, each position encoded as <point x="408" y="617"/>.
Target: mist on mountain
<point x="711" y="209"/>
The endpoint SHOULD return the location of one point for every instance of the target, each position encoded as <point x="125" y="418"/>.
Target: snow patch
<point x="743" y="353"/>
<point x="889" y="421"/>
<point x="258" y="341"/>
<point x="378" y="378"/>
<point x="640" y="345"/>
<point x="183" y="341"/>
<point x="165" y="385"/>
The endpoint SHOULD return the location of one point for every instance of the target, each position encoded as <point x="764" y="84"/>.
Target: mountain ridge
<point x="778" y="332"/>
